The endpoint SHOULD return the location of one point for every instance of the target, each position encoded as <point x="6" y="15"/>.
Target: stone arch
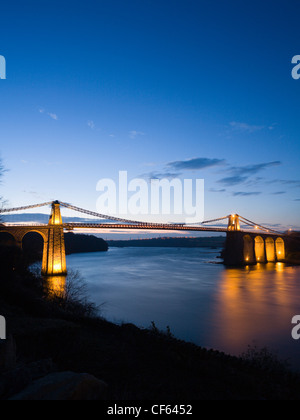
<point x="280" y="249"/>
<point x="39" y="232"/>
<point x="7" y="238"/>
<point x="260" y="249"/>
<point x="33" y="245"/>
<point x="270" y="250"/>
<point x="248" y="249"/>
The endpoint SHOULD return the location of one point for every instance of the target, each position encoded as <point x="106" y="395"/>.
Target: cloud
<point x="32" y="193"/>
<point x="233" y="180"/>
<point x="134" y="134"/>
<point x="291" y="182"/>
<point x="162" y="175"/>
<point x="241" y="174"/>
<point x="195" y="164"/>
<point x="213" y="190"/>
<point x="174" y="169"/>
<point x="253" y="169"/>
<point x="245" y="194"/>
<point x="248" y="128"/>
<point x="278" y="193"/>
<point x="91" y="124"/>
<point x="53" y="116"/>
<point x="50" y="114"/>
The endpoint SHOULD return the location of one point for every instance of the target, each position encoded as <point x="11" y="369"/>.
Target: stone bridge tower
<point x="54" y="256"/>
<point x="234" y="223"/>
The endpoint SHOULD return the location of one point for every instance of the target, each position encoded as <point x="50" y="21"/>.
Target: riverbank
<point x="201" y="242"/>
<point x="136" y="364"/>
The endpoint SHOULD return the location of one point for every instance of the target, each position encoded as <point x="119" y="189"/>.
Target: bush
<point x="265" y="359"/>
<point x="70" y="294"/>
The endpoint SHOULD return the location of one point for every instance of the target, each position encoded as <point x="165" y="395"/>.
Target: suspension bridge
<point x="247" y="242"/>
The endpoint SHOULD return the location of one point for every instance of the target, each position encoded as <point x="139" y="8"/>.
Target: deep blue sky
<point x="96" y="87"/>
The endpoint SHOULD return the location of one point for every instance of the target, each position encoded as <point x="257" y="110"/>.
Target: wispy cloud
<point x="161" y="175"/>
<point x="195" y="164"/>
<point x="233" y="180"/>
<point x="53" y="116"/>
<point x="289" y="182"/>
<point x="50" y="114"/>
<point x="175" y="169"/>
<point x="253" y="169"/>
<point x="214" y="190"/>
<point x="255" y="181"/>
<point x="248" y="128"/>
<point x="32" y="193"/>
<point x="245" y="194"/>
<point x="134" y="134"/>
<point x="242" y="174"/>
<point x="91" y="124"/>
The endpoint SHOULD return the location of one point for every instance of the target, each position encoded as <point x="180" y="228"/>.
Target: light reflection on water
<point x="201" y="301"/>
<point x="256" y="306"/>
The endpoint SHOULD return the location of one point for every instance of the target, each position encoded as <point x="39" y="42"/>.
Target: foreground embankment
<point x="52" y="336"/>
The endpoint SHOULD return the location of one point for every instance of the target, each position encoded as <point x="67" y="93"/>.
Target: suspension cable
<point x="215" y="220"/>
<point x="34" y="206"/>
<point x="105" y="216"/>
<point x="250" y="223"/>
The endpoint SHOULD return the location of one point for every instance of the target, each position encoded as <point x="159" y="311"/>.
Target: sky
<point x="186" y="89"/>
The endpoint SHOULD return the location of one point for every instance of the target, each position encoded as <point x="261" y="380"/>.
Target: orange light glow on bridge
<point x="255" y="247"/>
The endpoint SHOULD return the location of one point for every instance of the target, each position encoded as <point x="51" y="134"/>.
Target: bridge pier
<point x="54" y="255"/>
<point x="234" y="249"/>
<point x="244" y="249"/>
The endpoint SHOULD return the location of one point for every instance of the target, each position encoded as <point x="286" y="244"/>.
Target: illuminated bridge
<point x="244" y="246"/>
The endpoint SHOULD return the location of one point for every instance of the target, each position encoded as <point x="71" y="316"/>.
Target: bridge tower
<point x="54" y="255"/>
<point x="234" y="223"/>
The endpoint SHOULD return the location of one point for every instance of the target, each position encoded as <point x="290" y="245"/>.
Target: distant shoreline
<point x="205" y="242"/>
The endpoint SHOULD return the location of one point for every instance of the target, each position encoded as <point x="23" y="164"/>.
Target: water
<point x="199" y="299"/>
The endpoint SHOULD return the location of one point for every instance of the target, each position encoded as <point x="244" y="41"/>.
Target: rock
<point x="15" y="380"/>
<point x="65" y="386"/>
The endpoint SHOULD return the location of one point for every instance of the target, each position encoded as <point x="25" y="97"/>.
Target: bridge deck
<point x="110" y="226"/>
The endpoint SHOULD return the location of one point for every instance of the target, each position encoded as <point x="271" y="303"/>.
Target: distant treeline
<point x="214" y="242"/>
<point x="78" y="243"/>
<point x="75" y="244"/>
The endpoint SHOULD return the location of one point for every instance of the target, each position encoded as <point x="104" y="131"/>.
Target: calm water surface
<point x="201" y="301"/>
